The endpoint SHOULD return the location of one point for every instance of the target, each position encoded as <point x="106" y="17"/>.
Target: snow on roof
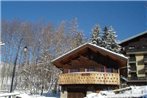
<point x="130" y="38"/>
<point x="120" y="55"/>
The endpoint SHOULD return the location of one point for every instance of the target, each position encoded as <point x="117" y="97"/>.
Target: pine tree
<point x="114" y="46"/>
<point x="106" y="41"/>
<point x="109" y="40"/>
<point x="96" y="39"/>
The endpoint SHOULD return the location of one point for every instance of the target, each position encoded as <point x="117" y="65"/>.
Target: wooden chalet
<point x="88" y="68"/>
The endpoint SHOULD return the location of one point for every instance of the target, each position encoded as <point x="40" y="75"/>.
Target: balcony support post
<point x="104" y="74"/>
<point x="63" y="94"/>
<point x="119" y="78"/>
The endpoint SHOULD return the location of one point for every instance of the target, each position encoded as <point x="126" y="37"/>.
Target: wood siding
<point x="89" y="78"/>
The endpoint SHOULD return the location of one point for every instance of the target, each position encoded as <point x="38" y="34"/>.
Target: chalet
<point x="135" y="48"/>
<point x="89" y="68"/>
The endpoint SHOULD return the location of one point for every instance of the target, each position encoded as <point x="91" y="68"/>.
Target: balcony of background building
<point x="142" y="71"/>
<point x="138" y="78"/>
<point x="136" y="48"/>
<point x="134" y="77"/>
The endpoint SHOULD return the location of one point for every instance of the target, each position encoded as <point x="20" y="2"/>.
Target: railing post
<point x="104" y="74"/>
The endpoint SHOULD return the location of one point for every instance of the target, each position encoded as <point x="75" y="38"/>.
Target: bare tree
<point x="43" y="42"/>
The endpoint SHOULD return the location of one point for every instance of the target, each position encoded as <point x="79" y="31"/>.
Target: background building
<point x="135" y="48"/>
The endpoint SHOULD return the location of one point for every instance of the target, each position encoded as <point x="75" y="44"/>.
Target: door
<point x="76" y="94"/>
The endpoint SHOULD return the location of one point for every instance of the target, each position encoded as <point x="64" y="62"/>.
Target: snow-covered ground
<point x="22" y="94"/>
<point x="6" y="95"/>
<point x="32" y="96"/>
<point x="129" y="92"/>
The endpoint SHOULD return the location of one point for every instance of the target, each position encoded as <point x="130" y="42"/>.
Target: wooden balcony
<point x="89" y="78"/>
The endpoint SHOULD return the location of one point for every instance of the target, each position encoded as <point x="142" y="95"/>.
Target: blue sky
<point x="127" y="18"/>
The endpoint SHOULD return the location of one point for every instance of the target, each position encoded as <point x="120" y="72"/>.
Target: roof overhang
<point x="133" y="37"/>
<point x="97" y="49"/>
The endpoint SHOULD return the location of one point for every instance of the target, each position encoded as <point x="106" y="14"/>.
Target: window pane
<point x="73" y="70"/>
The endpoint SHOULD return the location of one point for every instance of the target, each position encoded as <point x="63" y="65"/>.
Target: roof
<point x="135" y="36"/>
<point x="89" y="45"/>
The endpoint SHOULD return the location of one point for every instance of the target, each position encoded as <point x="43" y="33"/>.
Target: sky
<point x="128" y="18"/>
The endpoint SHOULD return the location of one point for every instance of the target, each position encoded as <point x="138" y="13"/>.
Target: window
<point x="91" y="69"/>
<point x="131" y="47"/>
<point x="145" y="58"/>
<point x="145" y="55"/>
<point x="115" y="71"/>
<point x="134" y="76"/>
<point x="145" y="66"/>
<point x="109" y="70"/>
<point x="133" y="67"/>
<point x="132" y="57"/>
<point x="144" y="46"/>
<point x="102" y="68"/>
<point x="73" y="70"/>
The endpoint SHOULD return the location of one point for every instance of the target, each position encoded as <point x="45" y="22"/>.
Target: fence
<point x="9" y="95"/>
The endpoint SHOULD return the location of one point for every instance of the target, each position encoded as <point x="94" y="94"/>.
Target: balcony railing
<point x="134" y="49"/>
<point x="137" y="78"/>
<point x="142" y="71"/>
<point x="89" y="78"/>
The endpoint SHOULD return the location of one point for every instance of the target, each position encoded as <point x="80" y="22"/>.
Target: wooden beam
<point x="73" y="56"/>
<point x="88" y="61"/>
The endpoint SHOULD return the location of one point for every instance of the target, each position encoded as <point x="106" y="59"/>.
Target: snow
<point x="23" y="95"/>
<point x="136" y="91"/>
<point x="32" y="96"/>
<point x="118" y="54"/>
